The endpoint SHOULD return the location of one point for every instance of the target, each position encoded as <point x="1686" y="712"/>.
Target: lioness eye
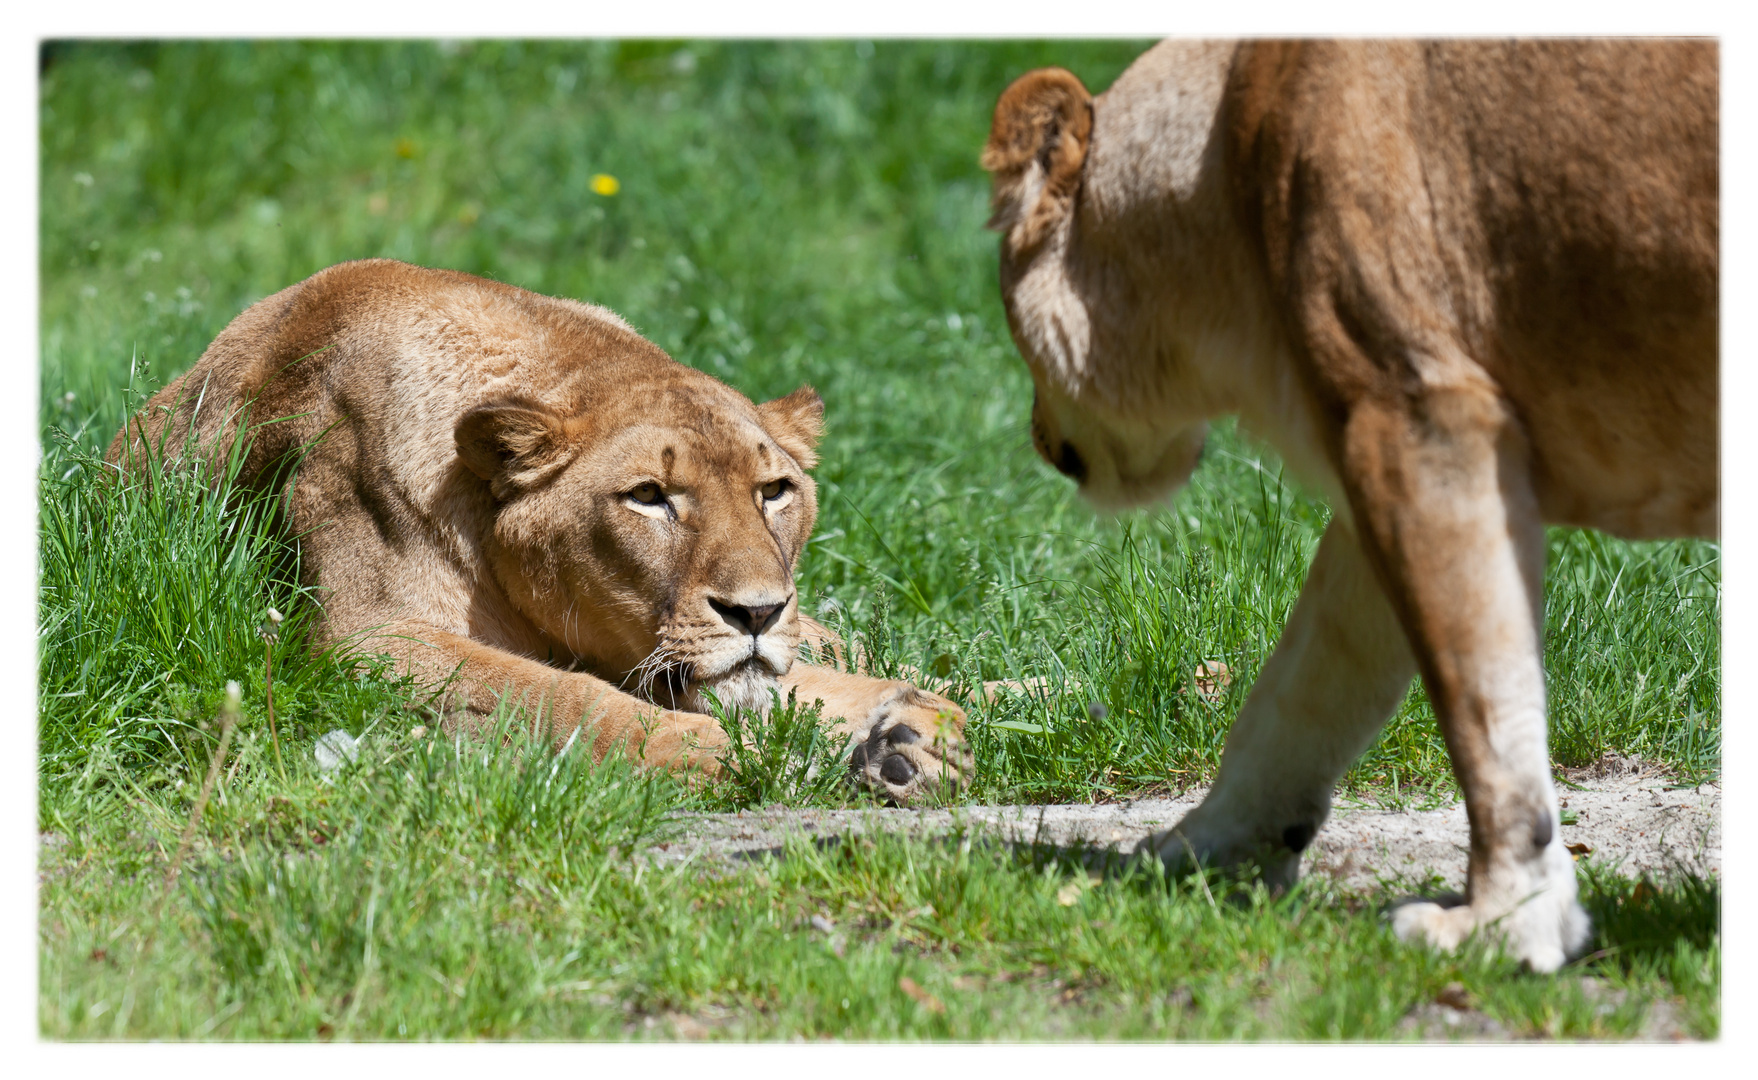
<point x="774" y="488"/>
<point x="648" y="495"/>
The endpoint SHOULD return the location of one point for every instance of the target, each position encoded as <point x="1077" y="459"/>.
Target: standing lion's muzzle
<point x="1118" y="463"/>
<point x="1053" y="448"/>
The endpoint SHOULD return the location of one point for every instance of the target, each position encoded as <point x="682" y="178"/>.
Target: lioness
<point x="1464" y="289"/>
<point x="525" y="492"/>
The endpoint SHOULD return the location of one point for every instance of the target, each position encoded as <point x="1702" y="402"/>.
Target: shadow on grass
<point x="1641" y="922"/>
<point x="1640" y="925"/>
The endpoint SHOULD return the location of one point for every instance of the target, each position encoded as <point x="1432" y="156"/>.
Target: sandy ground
<point x="1636" y="822"/>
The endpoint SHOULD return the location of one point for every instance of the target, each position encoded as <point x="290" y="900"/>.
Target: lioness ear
<point x="514" y="444"/>
<point x="796" y="422"/>
<point x="1037" y="146"/>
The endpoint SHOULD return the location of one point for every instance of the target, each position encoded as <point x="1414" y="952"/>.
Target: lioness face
<point x="1120" y="398"/>
<point x="661" y="555"/>
<point x="1125" y="443"/>
<point x="1118" y="458"/>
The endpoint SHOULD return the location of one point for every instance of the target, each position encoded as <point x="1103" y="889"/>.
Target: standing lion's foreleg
<point x="1443" y="498"/>
<point x="1340" y="668"/>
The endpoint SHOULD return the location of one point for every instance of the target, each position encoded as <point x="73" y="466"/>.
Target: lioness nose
<point x="1069" y="463"/>
<point x="751" y="619"/>
<point x="1063" y="456"/>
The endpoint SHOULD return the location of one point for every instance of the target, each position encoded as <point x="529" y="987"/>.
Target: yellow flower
<point x="605" y="184"/>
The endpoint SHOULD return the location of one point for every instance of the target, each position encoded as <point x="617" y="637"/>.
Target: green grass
<point x="806" y="212"/>
<point x="440" y="889"/>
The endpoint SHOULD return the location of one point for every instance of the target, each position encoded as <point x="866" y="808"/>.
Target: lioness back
<point x="1518" y="194"/>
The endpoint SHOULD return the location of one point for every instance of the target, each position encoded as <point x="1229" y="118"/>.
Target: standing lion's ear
<point x="1037" y="147"/>
<point x="795" y="422"/>
<point x="515" y="444"/>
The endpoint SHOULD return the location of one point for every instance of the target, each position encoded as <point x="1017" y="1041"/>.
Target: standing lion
<point x="1464" y="289"/>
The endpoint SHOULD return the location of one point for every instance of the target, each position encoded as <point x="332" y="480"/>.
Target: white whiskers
<point x="661" y="660"/>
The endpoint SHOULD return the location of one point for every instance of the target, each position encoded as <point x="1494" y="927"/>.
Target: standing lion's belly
<point x="1641" y="503"/>
<point x="1631" y="455"/>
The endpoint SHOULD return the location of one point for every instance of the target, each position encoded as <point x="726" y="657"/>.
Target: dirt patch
<point x="1453" y="1016"/>
<point x="1633" y="821"/>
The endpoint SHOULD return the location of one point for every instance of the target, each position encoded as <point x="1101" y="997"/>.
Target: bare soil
<point x="1629" y="819"/>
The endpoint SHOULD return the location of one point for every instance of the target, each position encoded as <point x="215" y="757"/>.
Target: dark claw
<point x="1541" y="830"/>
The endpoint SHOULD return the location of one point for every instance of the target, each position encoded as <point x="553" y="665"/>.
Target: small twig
<point x="228" y="720"/>
<point x="268" y="648"/>
<point x="270" y="632"/>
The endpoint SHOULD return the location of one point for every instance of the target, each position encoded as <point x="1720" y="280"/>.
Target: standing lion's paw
<point x="1438" y="926"/>
<point x="1542" y="933"/>
<point x="1220" y="838"/>
<point x="911" y="744"/>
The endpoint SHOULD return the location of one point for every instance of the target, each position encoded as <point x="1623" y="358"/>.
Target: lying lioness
<point x="1464" y="289"/>
<point x="524" y="492"/>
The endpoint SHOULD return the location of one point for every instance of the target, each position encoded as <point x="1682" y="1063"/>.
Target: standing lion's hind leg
<point x="1443" y="497"/>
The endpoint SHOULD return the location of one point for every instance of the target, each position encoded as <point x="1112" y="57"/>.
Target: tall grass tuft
<point x="1633" y="650"/>
<point x="1174" y="595"/>
<point x="153" y="581"/>
<point x="154" y="578"/>
<point x="787" y="755"/>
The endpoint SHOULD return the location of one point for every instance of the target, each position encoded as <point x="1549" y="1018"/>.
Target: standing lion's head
<point x="1121" y="271"/>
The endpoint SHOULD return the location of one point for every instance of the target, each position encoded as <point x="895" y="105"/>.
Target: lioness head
<point x="653" y="537"/>
<point x="1104" y="207"/>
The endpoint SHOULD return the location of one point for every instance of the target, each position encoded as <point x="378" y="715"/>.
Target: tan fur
<point x="523" y="492"/>
<point x="1465" y="289"/>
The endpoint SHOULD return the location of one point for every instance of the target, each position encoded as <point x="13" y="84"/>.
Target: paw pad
<point x="912" y="744"/>
<point x="882" y="756"/>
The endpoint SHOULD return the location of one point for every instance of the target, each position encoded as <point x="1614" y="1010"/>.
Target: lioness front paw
<point x="1542" y="933"/>
<point x="911" y="744"/>
<point x="1221" y="839"/>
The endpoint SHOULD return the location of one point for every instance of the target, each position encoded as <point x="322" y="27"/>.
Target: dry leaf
<point x="920" y="996"/>
<point x="1578" y="850"/>
<point x="1212" y="677"/>
<point x="1068" y="894"/>
<point x="1454" y="996"/>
